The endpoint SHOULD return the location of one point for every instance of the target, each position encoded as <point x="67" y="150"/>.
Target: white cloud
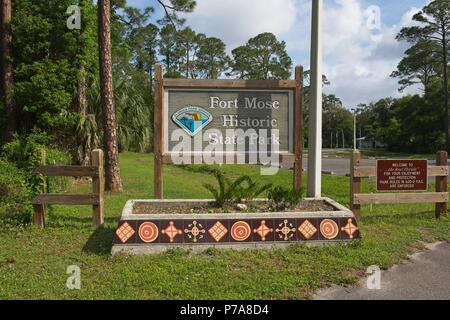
<point x="236" y="21"/>
<point x="358" y="60"/>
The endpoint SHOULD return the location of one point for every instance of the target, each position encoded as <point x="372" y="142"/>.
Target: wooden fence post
<point x="355" y="183"/>
<point x="158" y="133"/>
<point x="98" y="187"/>
<point x="39" y="209"/>
<point x="441" y="183"/>
<point x="298" y="128"/>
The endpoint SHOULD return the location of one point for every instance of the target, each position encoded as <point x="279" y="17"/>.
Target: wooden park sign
<point x="402" y="175"/>
<point x="402" y="178"/>
<point x="227" y="121"/>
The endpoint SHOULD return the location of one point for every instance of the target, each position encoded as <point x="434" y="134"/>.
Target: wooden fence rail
<point x="440" y="197"/>
<point x="95" y="170"/>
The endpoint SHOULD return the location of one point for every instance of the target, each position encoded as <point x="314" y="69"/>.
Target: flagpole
<point x="315" y="112"/>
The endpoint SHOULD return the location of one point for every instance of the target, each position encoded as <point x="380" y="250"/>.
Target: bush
<point x="282" y="198"/>
<point x="25" y="153"/>
<point x="15" y="196"/>
<point x="229" y="191"/>
<point x="253" y="189"/>
<point x="56" y="157"/>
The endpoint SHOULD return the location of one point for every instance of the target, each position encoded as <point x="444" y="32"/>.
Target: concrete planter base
<point x="154" y="233"/>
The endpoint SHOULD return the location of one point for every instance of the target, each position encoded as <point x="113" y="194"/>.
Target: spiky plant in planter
<point x="281" y="198"/>
<point x="253" y="189"/>
<point x="227" y="190"/>
<point x="230" y="192"/>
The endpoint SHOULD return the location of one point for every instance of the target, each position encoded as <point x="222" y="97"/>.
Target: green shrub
<point x="56" y="157"/>
<point x="25" y="153"/>
<point x="229" y="192"/>
<point x="252" y="189"/>
<point x="15" y="196"/>
<point x="282" y="198"/>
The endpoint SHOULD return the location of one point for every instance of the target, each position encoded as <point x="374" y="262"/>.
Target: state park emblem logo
<point x="192" y="119"/>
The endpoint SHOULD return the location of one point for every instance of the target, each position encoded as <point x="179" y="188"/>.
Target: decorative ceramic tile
<point x="194" y="231"/>
<point x="125" y="232"/>
<point x="172" y="231"/>
<point x="285" y="230"/>
<point x="235" y="231"/>
<point x="308" y="228"/>
<point x="329" y="229"/>
<point x="241" y="231"/>
<point x="349" y="228"/>
<point x="218" y="231"/>
<point x="148" y="232"/>
<point x="263" y="229"/>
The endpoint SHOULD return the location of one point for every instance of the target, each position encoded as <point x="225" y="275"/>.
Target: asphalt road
<point x="339" y="166"/>
<point x="425" y="276"/>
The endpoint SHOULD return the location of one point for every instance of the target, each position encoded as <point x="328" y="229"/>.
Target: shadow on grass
<point x="70" y="220"/>
<point x="100" y="241"/>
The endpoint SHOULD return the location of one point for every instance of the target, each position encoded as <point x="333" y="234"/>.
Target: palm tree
<point x="113" y="180"/>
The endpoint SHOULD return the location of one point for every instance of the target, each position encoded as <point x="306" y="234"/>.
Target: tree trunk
<point x="83" y="155"/>
<point x="113" y="180"/>
<point x="81" y="92"/>
<point x="6" y="70"/>
<point x="187" y="61"/>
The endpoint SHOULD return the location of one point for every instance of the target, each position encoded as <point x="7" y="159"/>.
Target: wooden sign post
<point x="298" y="129"/>
<point x="158" y="133"/>
<point x="184" y="108"/>
<point x="441" y="182"/>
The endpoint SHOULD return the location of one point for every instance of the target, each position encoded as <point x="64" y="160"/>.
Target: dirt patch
<point x="260" y="206"/>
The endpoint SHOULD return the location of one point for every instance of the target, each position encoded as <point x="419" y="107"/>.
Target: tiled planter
<point x="155" y="233"/>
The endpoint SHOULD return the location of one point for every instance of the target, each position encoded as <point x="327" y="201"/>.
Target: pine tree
<point x="113" y="180"/>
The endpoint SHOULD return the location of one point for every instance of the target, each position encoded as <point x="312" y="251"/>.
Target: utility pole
<point x="360" y="137"/>
<point x="331" y="144"/>
<point x="315" y="110"/>
<point x="337" y="140"/>
<point x="354" y="129"/>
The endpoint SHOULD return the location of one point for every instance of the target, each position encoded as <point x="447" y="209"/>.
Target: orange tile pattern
<point x="263" y="230"/>
<point x="307" y="229"/>
<point x="350" y="228"/>
<point x="329" y="229"/>
<point x="125" y="232"/>
<point x="200" y="231"/>
<point x="240" y="231"/>
<point x="218" y="231"/>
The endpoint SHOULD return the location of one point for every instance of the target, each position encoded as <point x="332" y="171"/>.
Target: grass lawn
<point x="379" y="153"/>
<point x="33" y="262"/>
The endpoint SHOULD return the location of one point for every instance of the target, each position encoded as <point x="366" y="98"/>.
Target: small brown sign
<point x="402" y="175"/>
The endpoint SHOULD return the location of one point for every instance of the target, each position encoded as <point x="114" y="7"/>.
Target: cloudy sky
<point x="359" y="56"/>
